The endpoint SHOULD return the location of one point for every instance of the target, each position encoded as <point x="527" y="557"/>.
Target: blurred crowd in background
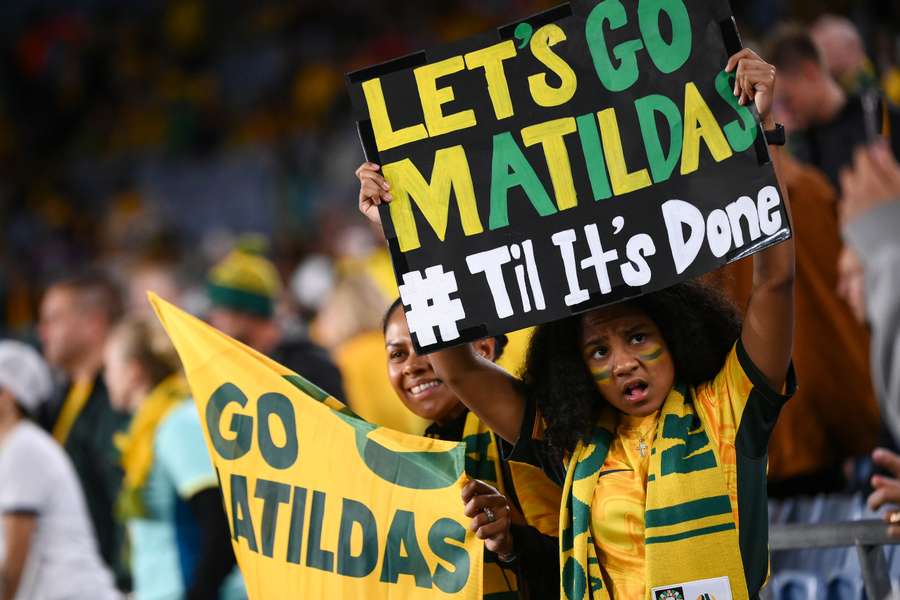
<point x="205" y="150"/>
<point x="157" y="131"/>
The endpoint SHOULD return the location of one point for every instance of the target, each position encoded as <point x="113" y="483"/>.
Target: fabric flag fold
<point x="320" y="502"/>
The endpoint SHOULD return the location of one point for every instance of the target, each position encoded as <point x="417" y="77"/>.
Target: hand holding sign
<point x="754" y="80"/>
<point x="553" y="166"/>
<point x="373" y="189"/>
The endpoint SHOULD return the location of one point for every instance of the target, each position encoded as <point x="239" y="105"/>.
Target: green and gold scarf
<point x="688" y="516"/>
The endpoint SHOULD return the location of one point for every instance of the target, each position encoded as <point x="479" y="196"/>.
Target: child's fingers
<point x="741" y="86"/>
<point x="747" y="89"/>
<point x="759" y="74"/>
<point x="373" y="176"/>
<point x="372" y="191"/>
<point x="735" y="58"/>
<point x="367" y="166"/>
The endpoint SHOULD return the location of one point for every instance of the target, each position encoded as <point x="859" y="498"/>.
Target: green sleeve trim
<point x="759" y="381"/>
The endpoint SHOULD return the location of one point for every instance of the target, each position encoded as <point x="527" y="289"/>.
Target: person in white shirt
<point x="48" y="550"/>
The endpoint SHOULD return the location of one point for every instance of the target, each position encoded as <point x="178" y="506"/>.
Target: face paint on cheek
<point x="601" y="376"/>
<point x="652" y="354"/>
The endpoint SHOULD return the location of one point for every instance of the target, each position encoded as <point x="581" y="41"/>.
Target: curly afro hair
<point x="697" y="322"/>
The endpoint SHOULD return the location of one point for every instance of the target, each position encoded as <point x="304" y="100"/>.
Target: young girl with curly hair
<point x="654" y="415"/>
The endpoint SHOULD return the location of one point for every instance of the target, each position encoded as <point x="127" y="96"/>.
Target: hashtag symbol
<point x="430" y="306"/>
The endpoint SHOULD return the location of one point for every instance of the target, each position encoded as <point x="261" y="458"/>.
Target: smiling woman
<point x="492" y="499"/>
<point x="414" y="380"/>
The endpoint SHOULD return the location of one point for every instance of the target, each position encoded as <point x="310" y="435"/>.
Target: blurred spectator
<point x="843" y="53"/>
<point x="825" y="123"/>
<point x="834" y="415"/>
<point x="77" y="315"/>
<point x="871" y="219"/>
<point x="178" y="529"/>
<point x="851" y="283"/>
<point x="887" y="488"/>
<point x="48" y="548"/>
<point x="350" y="325"/>
<point x="152" y="274"/>
<point x="207" y="116"/>
<point x="311" y="283"/>
<point x="243" y="289"/>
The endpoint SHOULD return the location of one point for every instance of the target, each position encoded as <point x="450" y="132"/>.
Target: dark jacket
<point x="311" y="362"/>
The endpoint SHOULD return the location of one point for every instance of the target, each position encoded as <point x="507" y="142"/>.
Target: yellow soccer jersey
<point x="738" y="411"/>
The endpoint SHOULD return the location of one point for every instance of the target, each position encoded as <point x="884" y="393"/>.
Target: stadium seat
<point x="820" y="509"/>
<point x="892" y="554"/>
<point x="845" y="586"/>
<point x="836" y="561"/>
<point x="774" y="507"/>
<point x="806" y="509"/>
<point x="841" y="507"/>
<point x="796" y="585"/>
<point x="802" y="509"/>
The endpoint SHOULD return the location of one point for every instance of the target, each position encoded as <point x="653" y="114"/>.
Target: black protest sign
<point x="581" y="156"/>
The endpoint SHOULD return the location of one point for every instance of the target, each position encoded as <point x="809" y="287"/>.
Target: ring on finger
<point x="489" y="514"/>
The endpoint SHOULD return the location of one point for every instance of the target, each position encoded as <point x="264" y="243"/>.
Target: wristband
<point x="776" y="136"/>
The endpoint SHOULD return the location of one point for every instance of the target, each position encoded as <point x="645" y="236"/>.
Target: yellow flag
<point x="322" y="504"/>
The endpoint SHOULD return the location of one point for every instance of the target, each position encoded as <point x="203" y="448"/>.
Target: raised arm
<point x="487" y="389"/>
<point x="768" y="331"/>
